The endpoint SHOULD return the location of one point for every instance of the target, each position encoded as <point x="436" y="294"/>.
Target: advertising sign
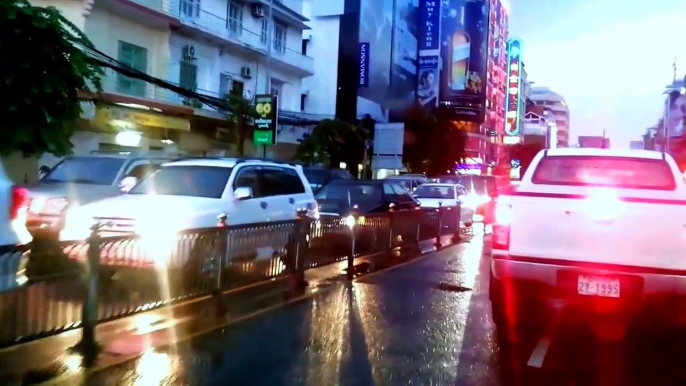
<point x="429" y="24"/>
<point x="389" y="31"/>
<point x="363" y="68"/>
<point x="514" y="87"/>
<point x="427" y="85"/>
<point x="266" y="107"/>
<point x="464" y="50"/>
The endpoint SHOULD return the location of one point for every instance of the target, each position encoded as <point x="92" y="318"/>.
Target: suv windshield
<point x="447" y="192"/>
<point x="196" y="181"/>
<point x="86" y="170"/>
<point x="619" y="172"/>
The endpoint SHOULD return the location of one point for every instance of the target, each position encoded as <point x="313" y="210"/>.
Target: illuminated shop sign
<point x="514" y="87"/>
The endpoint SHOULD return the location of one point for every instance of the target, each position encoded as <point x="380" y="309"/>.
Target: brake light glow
<point x="501" y="227"/>
<point x="19" y="205"/>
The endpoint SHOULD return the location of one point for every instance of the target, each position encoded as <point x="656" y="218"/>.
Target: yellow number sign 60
<point x="263" y="108"/>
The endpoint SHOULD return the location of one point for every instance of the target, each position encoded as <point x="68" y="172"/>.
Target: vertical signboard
<point x="363" y="66"/>
<point x="514" y="87"/>
<point x="429" y="51"/>
<point x="389" y="33"/>
<point x="464" y="50"/>
<point x="267" y="110"/>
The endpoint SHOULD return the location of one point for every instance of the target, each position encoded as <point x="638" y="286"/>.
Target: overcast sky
<point x="610" y="59"/>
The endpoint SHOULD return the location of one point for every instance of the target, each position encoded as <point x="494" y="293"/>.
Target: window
<point x="279" y="37"/>
<point x="190" y="8"/>
<point x="225" y="84"/>
<point x="304" y="47"/>
<point x="351" y="193"/>
<point x="303" y="101"/>
<point x="237" y="88"/>
<point x="277" y="87"/>
<point x="86" y="170"/>
<point x="269" y="181"/>
<point x="247" y="178"/>
<point x="264" y="30"/>
<point x="187" y="180"/>
<point x="401" y="193"/>
<point x="279" y="182"/>
<point x="436" y="192"/>
<point x="188" y="74"/>
<point x="618" y="172"/>
<point x="134" y="57"/>
<point x="234" y="19"/>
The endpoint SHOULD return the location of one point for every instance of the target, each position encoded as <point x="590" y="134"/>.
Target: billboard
<point x="514" y="87"/>
<point x="267" y="110"/>
<point x="464" y="51"/>
<point x="429" y="53"/>
<point x="388" y="39"/>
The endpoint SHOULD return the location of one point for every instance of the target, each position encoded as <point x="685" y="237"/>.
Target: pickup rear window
<point x="619" y="172"/>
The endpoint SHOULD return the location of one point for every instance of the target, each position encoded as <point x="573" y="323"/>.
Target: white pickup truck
<point x="599" y="229"/>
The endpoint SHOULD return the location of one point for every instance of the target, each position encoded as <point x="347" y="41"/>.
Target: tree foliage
<point x="332" y="141"/>
<point x="432" y="144"/>
<point x="525" y="153"/>
<point x="44" y="68"/>
<point x="241" y="115"/>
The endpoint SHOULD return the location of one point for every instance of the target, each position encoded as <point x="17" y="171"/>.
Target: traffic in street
<point x="427" y="322"/>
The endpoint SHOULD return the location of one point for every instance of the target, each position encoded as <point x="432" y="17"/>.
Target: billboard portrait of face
<point x="676" y="115"/>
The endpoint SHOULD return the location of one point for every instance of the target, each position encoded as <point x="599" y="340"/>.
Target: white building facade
<point x="543" y="96"/>
<point x="211" y="47"/>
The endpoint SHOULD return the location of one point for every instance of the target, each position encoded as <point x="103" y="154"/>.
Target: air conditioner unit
<point x="245" y="72"/>
<point x="257" y="10"/>
<point x="188" y="52"/>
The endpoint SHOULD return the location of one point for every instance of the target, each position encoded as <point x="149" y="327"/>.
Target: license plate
<point x="598" y="286"/>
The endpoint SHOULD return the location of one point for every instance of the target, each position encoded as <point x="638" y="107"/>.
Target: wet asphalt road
<point x="424" y="323"/>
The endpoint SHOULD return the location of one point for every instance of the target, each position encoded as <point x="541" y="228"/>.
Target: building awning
<point x="125" y="118"/>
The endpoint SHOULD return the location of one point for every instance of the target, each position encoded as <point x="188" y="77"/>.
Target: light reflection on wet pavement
<point x="425" y="323"/>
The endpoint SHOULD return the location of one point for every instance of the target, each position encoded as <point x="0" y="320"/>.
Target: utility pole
<point x="268" y="65"/>
<point x="602" y="144"/>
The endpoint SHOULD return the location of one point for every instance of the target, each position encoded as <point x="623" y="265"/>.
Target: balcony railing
<point x="116" y="83"/>
<point x="233" y="31"/>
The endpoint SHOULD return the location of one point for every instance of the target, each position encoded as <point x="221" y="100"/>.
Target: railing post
<point x="301" y="241"/>
<point x="438" y="244"/>
<point x="391" y="234"/>
<point x="350" y="222"/>
<point x="88" y="346"/>
<point x="457" y="237"/>
<point x="223" y="251"/>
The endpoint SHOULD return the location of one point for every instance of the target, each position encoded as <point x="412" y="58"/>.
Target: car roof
<point x="227" y="162"/>
<point x="595" y="152"/>
<point x="357" y="182"/>
<point x="406" y="177"/>
<point x="442" y="184"/>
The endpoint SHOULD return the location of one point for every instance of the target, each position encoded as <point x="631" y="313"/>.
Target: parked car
<point x="191" y="193"/>
<point x="433" y="195"/>
<point x="367" y="196"/>
<point x="409" y="181"/>
<point x="482" y="193"/>
<point x="82" y="179"/>
<point x="319" y="176"/>
<point x="13" y="232"/>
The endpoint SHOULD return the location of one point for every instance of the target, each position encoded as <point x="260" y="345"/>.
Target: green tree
<point x="329" y="142"/>
<point x="242" y="112"/>
<point x="45" y="65"/>
<point x="432" y="144"/>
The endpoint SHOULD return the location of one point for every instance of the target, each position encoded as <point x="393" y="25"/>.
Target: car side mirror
<point x="127" y="183"/>
<point x="243" y="193"/>
<point x="42" y="172"/>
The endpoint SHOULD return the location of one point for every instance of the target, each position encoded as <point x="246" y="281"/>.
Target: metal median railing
<point x="78" y="285"/>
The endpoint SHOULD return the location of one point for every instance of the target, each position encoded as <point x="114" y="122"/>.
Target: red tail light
<point x="501" y="227"/>
<point x="20" y="202"/>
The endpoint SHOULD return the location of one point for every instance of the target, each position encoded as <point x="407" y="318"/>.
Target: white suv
<point x="192" y="193"/>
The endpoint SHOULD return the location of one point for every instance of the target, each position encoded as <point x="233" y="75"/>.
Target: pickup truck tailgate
<point x="598" y="227"/>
